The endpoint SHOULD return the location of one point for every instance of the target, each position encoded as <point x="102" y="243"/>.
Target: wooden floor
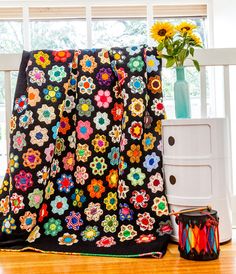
<point x="31" y="262"/>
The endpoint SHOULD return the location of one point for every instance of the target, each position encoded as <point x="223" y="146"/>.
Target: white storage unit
<point x="196" y="166"/>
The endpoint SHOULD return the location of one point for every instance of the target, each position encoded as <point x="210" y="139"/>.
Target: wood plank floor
<point x="32" y="262"/>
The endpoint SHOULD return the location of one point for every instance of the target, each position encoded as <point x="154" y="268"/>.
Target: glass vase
<point x="181" y="95"/>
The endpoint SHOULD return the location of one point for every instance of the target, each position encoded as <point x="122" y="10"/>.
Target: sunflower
<point x="196" y="39"/>
<point x="162" y="30"/>
<point x="184" y="27"/>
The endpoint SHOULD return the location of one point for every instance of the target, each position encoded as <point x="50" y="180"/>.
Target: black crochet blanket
<point x="85" y="164"/>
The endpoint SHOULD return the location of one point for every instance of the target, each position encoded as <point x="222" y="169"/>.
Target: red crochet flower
<point x="61" y="56"/>
<point x="117" y="112"/>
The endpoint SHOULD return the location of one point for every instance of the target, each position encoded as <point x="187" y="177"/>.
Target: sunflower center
<point x="162" y="32"/>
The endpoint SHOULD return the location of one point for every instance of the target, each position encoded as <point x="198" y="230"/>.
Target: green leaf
<point x="191" y="51"/>
<point x="170" y="62"/>
<point x="160" y="47"/>
<point x="196" y="64"/>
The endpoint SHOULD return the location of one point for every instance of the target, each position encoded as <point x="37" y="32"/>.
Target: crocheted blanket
<point x="85" y="164"/>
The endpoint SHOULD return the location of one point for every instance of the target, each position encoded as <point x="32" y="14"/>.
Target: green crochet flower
<point x="85" y="107"/>
<point x="90" y="233"/>
<point x="57" y="73"/>
<point x="110" y="223"/>
<point x="136" y="176"/>
<point x="136" y="64"/>
<point x="53" y="227"/>
<point x="98" y="166"/>
<point x="35" y="198"/>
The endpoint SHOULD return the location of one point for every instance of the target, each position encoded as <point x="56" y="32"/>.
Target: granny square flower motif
<point x="85" y="171"/>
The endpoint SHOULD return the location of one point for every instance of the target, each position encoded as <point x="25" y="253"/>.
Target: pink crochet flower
<point x="84" y="130"/>
<point x="103" y="98"/>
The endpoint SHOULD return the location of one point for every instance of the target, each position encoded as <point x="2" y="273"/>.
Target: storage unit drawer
<point x="188" y="181"/>
<point x="187" y="140"/>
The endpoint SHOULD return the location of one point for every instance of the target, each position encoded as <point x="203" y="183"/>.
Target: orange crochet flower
<point x="88" y="63"/>
<point x="64" y="125"/>
<point x="96" y="188"/>
<point x="32" y="158"/>
<point x="154" y="84"/>
<point x="112" y="178"/>
<point x="134" y="153"/>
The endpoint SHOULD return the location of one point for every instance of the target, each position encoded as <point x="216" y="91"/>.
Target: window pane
<point x="120" y="32"/>
<point x="58" y="34"/>
<point x="11" y="37"/>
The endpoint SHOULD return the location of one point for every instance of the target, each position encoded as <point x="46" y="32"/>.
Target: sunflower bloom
<point x="197" y="40"/>
<point x="162" y="30"/>
<point x="184" y="27"/>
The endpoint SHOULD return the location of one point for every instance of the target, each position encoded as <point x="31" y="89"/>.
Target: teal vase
<point x="181" y="95"/>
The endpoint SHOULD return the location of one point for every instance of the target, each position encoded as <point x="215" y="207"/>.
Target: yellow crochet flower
<point x="42" y="59"/>
<point x="162" y="30"/>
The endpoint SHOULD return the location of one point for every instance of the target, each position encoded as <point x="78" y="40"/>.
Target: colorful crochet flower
<point x="86" y="85"/>
<point x="160" y="206"/>
<point x="78" y="197"/>
<point x="84" y="129"/>
<point x="98" y="165"/>
<point x="53" y="227"/>
<point x="59" y="205"/>
<point x="69" y="103"/>
<point x="112" y="178"/>
<point x="100" y="143"/>
<point x="165" y="228"/>
<point x="60" y="146"/>
<point x="69" y="161"/>
<point x="21" y="103"/>
<point x="49" y="190"/>
<point x="104" y="76"/>
<point x="136" y="84"/>
<point x="139" y="198"/>
<point x="82" y="152"/>
<point x="158" y="107"/>
<point x="136" y="64"/>
<point x="85" y="107"/>
<point x="16" y="202"/>
<point x="33" y="96"/>
<point x="125" y="213"/>
<point x="31" y="158"/>
<point x="64" y="125"/>
<point x="145" y="221"/>
<point x="126" y="233"/>
<point x="34" y="234"/>
<point x="23" y="180"/>
<point x="134" y="153"/>
<point x="57" y="73"/>
<point x="42" y="59"/>
<point x="115" y="133"/>
<point x="110" y="223"/>
<point x="93" y="211"/>
<point x="151" y="161"/>
<point x="90" y="233"/>
<point x="104" y="56"/>
<point x="28" y="221"/>
<point x="106" y="242"/>
<point x="136" y="130"/>
<point x="148" y="141"/>
<point x="101" y="120"/>
<point x="154" y="84"/>
<point x="68" y="239"/>
<point x="46" y="114"/>
<point x="26" y="119"/>
<point x="19" y="141"/>
<point x="152" y="63"/>
<point x="88" y="63"/>
<point x="118" y="55"/>
<point x="122" y="189"/>
<point x="74" y="221"/>
<point x="103" y="98"/>
<point x="96" y="188"/>
<point x="43" y="212"/>
<point x="137" y="107"/>
<point x="49" y="152"/>
<point x="133" y="50"/>
<point x="136" y="176"/>
<point x="114" y="156"/>
<point x="81" y="175"/>
<point x="38" y="136"/>
<point x="35" y="198"/>
<point x="8" y="225"/>
<point x="145" y="239"/>
<point x="37" y="76"/>
<point x="117" y="111"/>
<point x="52" y="93"/>
<point x="156" y="183"/>
<point x="13" y="162"/>
<point x="65" y="183"/>
<point x="61" y="56"/>
<point x="111" y="201"/>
